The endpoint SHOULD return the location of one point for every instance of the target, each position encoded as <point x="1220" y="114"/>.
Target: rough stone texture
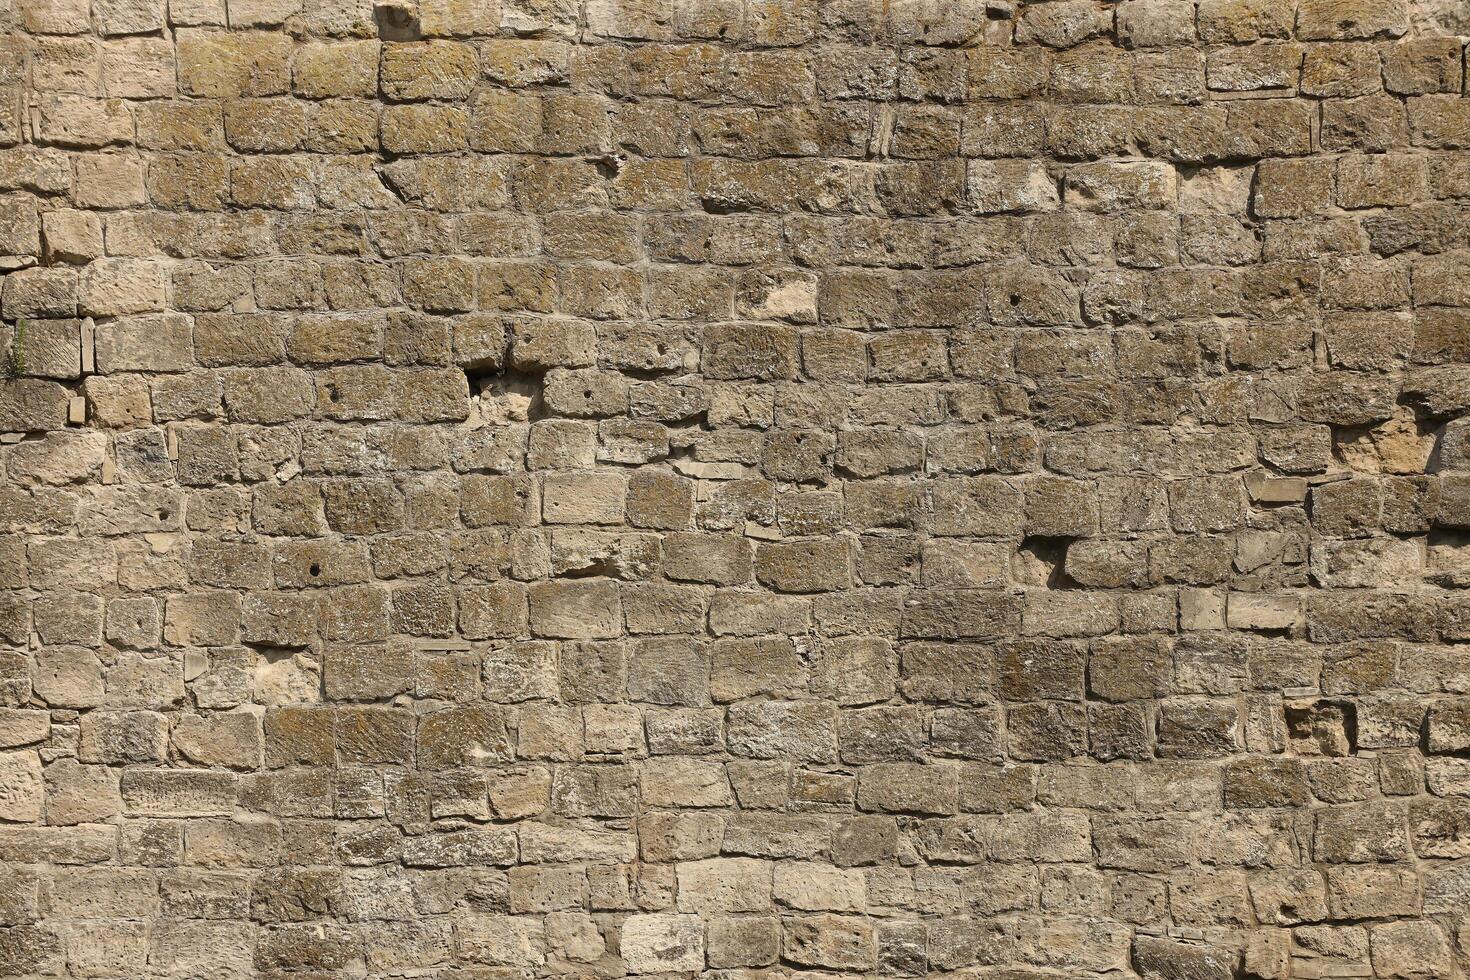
<point x="529" y="488"/>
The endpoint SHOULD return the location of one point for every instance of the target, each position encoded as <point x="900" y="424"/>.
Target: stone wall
<point x="580" y="488"/>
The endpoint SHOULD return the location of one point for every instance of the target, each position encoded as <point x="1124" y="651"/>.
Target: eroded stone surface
<point x="751" y="488"/>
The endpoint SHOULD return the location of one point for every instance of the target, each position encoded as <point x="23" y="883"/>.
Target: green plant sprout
<point x="15" y="360"/>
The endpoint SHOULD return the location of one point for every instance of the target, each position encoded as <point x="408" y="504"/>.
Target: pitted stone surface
<point x="750" y="488"/>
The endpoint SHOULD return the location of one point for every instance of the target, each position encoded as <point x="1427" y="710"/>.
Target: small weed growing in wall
<point x="15" y="358"/>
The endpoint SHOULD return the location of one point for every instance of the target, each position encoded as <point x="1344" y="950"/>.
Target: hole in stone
<point x="610" y="165"/>
<point x="397" y="20"/>
<point x="1042" y="560"/>
<point x="592" y="568"/>
<point x="721" y="207"/>
<point x="1015" y="299"/>
<point x="506" y="396"/>
<point x="1322" y="727"/>
<point x="1404" y="445"/>
<point x="315" y="569"/>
